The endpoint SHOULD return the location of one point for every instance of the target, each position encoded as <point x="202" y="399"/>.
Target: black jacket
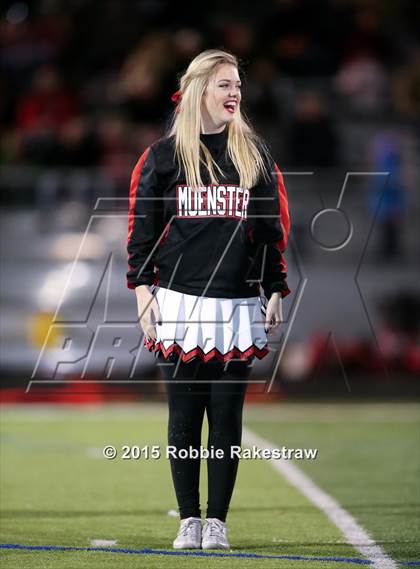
<point x="222" y="242"/>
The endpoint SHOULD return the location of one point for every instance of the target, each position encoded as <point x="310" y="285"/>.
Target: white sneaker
<point x="214" y="534"/>
<point x="189" y="534"/>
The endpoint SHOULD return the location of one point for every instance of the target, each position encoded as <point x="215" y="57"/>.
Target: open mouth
<point x="230" y="106"/>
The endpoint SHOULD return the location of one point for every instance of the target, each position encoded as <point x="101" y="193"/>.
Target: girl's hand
<point x="274" y="313"/>
<point x="148" y="311"/>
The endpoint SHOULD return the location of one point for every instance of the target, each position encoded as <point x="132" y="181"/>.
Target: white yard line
<point x="354" y="533"/>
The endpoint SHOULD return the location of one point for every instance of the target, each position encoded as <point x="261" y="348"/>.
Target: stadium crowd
<point x="88" y="84"/>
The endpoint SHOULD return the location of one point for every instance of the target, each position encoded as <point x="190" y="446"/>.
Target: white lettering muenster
<point x="212" y="201"/>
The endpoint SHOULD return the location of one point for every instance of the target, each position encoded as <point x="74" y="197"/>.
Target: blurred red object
<point x="73" y="391"/>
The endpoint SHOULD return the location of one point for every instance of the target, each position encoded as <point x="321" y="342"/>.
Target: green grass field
<point x="58" y="490"/>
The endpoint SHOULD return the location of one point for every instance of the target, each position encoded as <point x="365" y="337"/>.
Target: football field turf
<point x="58" y="492"/>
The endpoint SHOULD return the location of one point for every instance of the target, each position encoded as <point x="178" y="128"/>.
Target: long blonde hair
<point x="243" y="145"/>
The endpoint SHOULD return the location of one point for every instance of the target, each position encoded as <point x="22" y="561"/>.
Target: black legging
<point x="192" y="388"/>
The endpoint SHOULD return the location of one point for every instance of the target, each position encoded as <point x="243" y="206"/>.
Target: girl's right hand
<point x="274" y="313"/>
<point x="148" y="311"/>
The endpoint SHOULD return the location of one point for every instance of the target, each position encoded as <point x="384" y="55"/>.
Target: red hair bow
<point x="176" y="97"/>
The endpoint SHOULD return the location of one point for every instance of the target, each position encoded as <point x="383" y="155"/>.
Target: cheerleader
<point x="208" y="225"/>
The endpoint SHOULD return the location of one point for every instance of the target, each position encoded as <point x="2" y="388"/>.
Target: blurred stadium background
<point x="334" y="87"/>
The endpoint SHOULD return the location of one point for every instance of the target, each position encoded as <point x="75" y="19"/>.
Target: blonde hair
<point x="244" y="146"/>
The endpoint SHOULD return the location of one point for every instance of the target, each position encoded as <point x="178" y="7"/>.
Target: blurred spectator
<point x="290" y="34"/>
<point x="407" y="88"/>
<point x="367" y="34"/>
<point x="362" y="83"/>
<point x="298" y="55"/>
<point x="186" y="44"/>
<point x="239" y="38"/>
<point x="41" y="112"/>
<point x="268" y="97"/>
<point x="6" y="102"/>
<point x="30" y="40"/>
<point x="313" y="141"/>
<point x="122" y="145"/>
<point x="313" y="146"/>
<point x="386" y="196"/>
<point x="143" y="82"/>
<point x="48" y="103"/>
<point x="78" y="144"/>
<point x="70" y="175"/>
<point x="119" y="149"/>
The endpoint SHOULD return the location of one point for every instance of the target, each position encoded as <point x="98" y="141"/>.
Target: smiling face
<point x="221" y="98"/>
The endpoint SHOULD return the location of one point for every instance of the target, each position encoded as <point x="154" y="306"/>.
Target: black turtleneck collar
<point x="214" y="138"/>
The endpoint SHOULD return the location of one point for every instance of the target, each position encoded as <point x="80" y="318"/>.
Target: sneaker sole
<point x="186" y="546"/>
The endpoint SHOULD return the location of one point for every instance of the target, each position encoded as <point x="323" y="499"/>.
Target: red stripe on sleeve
<point x="284" y="208"/>
<point x="135" y="179"/>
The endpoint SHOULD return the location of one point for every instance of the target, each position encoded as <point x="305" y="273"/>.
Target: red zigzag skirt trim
<point x="253" y="350"/>
<point x="207" y="327"/>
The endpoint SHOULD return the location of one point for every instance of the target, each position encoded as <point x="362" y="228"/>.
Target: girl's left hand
<point x="274" y="313"/>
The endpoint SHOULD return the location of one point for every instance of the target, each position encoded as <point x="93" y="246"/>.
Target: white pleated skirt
<point x="209" y="328"/>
